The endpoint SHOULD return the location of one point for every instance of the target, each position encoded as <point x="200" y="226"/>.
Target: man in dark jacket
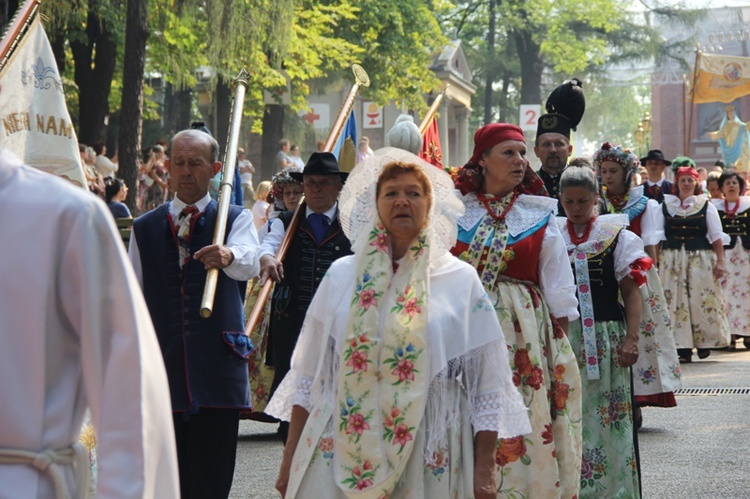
<point x="553" y="149"/>
<point x="317" y="242"/>
<point x="656" y="186"/>
<point x="206" y="358"/>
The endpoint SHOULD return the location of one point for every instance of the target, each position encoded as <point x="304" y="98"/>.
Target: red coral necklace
<point x="585" y="236"/>
<point x="486" y="202"/>
<point x="618" y="201"/>
<point x="731" y="213"/>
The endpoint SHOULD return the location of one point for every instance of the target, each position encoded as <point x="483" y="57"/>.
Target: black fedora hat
<point x="320" y="163"/>
<point x="657" y="155"/>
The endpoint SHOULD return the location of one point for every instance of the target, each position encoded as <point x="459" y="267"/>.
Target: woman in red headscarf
<point x="691" y="267"/>
<point x="510" y="236"/>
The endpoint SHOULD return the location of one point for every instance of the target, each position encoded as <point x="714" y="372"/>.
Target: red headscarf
<point x="490" y="135"/>
<point x="470" y="179"/>
<point x="686" y="170"/>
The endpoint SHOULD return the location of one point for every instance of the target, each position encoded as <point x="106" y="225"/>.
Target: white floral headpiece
<point x="358" y="205"/>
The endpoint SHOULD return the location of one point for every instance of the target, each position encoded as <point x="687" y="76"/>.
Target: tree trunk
<point x="490" y="76"/>
<point x="7" y="10"/>
<point x="506" y="79"/>
<point x="177" y="109"/>
<point x="529" y="54"/>
<point x="273" y="130"/>
<point x="58" y="49"/>
<point x="95" y="60"/>
<point x="503" y="102"/>
<point x="223" y="110"/>
<point x="131" y="109"/>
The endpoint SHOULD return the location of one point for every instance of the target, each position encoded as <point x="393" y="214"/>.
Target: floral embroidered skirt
<point x="737" y="289"/>
<point x="656" y="374"/>
<point x="609" y="468"/>
<point x="545" y="463"/>
<point x="261" y="375"/>
<point x="450" y="476"/>
<point x="88" y="439"/>
<point x="695" y="299"/>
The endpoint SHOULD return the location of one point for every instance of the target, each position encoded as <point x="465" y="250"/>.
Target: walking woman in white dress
<point x="400" y="383"/>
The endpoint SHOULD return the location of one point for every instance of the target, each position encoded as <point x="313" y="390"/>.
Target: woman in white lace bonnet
<point x="401" y="363"/>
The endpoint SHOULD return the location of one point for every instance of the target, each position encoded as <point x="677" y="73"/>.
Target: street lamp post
<point x="639" y="135"/>
<point x="647" y="130"/>
<point x="643" y="134"/>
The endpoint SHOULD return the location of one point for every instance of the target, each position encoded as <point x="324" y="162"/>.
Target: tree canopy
<point x="520" y="50"/>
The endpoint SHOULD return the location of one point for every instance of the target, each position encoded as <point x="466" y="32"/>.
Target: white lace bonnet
<point x="358" y="207"/>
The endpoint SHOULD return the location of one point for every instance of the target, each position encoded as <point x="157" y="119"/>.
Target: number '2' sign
<point x="529" y="116"/>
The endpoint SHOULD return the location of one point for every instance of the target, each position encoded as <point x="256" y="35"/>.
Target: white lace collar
<point x="634" y="195"/>
<point x="604" y="228"/>
<point x="744" y="204"/>
<point x="690" y="206"/>
<point x="527" y="212"/>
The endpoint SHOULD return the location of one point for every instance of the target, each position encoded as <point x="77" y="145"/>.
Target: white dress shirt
<point x="105" y="166"/>
<point x="75" y="333"/>
<point x="272" y="242"/>
<point x="242" y="242"/>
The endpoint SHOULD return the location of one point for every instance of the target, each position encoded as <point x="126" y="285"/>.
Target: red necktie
<point x="185" y="222"/>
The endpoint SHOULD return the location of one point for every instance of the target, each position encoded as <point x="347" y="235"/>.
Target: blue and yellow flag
<point x="345" y="149"/>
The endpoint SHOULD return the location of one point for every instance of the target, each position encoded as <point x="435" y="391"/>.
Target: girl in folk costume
<point x="656" y="375"/>
<point x="286" y="193"/>
<point x="608" y="260"/>
<point x="511" y="238"/>
<point x="691" y="264"/>
<point x="734" y="211"/>
<point x="397" y="388"/>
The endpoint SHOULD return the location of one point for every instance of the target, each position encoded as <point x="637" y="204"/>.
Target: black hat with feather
<point x="565" y="107"/>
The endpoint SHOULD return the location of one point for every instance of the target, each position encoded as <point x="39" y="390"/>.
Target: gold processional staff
<point x="360" y="80"/>
<point x="225" y="191"/>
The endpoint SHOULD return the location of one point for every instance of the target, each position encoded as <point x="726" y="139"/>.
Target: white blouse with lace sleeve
<point x="650" y="232"/>
<point x="465" y="340"/>
<point x="555" y="274"/>
<point x="629" y="249"/>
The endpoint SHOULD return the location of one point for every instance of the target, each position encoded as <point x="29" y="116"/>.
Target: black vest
<point x="552" y="184"/>
<point x="604" y="286"/>
<point x="657" y="193"/>
<point x="689" y="231"/>
<point x="305" y="264"/>
<point x="737" y="226"/>
<point x="205" y="365"/>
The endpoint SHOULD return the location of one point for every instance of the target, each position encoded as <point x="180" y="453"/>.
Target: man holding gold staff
<point x="206" y="358"/>
<point x="317" y="242"/>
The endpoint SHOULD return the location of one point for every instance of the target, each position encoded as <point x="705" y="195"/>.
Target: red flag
<point x="431" y="150"/>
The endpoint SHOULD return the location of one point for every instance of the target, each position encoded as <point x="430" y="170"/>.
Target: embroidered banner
<point x="721" y="78"/>
<point x="36" y="125"/>
<point x="431" y="150"/>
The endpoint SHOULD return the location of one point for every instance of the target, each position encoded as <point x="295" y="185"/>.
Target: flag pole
<point x="360" y="80"/>
<point x="692" y="104"/>
<point x="684" y="114"/>
<point x="16" y="29"/>
<point x="433" y="109"/>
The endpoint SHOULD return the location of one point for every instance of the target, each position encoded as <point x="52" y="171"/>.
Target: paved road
<point x="697" y="450"/>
